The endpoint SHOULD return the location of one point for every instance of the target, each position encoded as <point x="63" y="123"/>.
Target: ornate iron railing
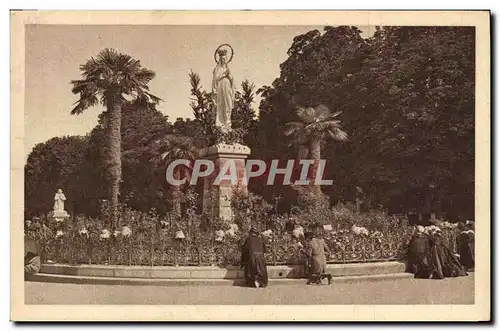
<point x="161" y="249"/>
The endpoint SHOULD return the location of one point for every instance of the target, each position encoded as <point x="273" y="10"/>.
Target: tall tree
<point x="320" y="69"/>
<point x="168" y="149"/>
<point x="316" y="125"/>
<point x="407" y="100"/>
<point x="56" y="163"/>
<point x="243" y="115"/>
<point x="143" y="184"/>
<point x="108" y="79"/>
<point x="419" y="86"/>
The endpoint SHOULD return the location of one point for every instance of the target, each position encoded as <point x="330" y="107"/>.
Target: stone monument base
<point x="60" y="216"/>
<point x="217" y="196"/>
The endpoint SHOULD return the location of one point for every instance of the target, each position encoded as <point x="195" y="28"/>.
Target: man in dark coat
<point x="254" y="261"/>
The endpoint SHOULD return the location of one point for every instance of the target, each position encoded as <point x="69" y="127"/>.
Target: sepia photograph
<point x="250" y="166"/>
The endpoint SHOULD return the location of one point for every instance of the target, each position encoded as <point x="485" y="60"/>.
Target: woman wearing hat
<point x="254" y="261"/>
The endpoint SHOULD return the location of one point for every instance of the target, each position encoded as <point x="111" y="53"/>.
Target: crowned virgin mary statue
<point x="223" y="89"/>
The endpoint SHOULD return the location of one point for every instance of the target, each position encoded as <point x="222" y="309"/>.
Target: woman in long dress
<point x="222" y="87"/>
<point x="466" y="246"/>
<point x="254" y="261"/>
<point x="418" y="254"/>
<point x="442" y="260"/>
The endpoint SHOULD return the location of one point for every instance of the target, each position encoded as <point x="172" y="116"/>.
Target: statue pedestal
<point x="60" y="216"/>
<point x="217" y="197"/>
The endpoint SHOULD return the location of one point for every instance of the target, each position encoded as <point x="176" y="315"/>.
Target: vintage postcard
<point x="250" y="166"/>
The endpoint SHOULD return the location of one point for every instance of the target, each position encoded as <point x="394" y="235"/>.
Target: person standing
<point x="254" y="261"/>
<point x="316" y="249"/>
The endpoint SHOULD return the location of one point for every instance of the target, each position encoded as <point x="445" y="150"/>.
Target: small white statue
<point x="59" y="201"/>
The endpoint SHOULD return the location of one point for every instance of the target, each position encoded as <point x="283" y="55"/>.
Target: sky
<point x="55" y="52"/>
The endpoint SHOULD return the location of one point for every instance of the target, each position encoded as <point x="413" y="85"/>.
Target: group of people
<point x="254" y="261"/>
<point x="430" y="258"/>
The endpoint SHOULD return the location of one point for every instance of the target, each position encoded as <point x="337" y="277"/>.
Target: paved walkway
<point x="403" y="291"/>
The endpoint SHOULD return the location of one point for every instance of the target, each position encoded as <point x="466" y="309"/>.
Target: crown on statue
<point x="222" y="52"/>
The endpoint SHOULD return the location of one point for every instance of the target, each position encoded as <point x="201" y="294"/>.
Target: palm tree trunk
<point x="176" y="196"/>
<point x="115" y="161"/>
<point x="315" y="154"/>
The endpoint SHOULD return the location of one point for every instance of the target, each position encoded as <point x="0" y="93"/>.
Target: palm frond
<point x="126" y="63"/>
<point x="143" y="75"/>
<point x="172" y="147"/>
<point x="108" y="57"/>
<point x="79" y="86"/>
<point x="316" y="123"/>
<point x="165" y="155"/>
<point x="92" y="69"/>
<point x="86" y="101"/>
<point x="306" y="114"/>
<point x="113" y="77"/>
<point x="316" y="127"/>
<point x="296" y="131"/>
<point x="292" y="128"/>
<point x="334" y="115"/>
<point x="154" y="99"/>
<point x="333" y="123"/>
<point x="321" y="113"/>
<point x="337" y="134"/>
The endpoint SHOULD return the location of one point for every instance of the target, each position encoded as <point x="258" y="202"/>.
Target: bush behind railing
<point x="148" y="239"/>
<point x="162" y="249"/>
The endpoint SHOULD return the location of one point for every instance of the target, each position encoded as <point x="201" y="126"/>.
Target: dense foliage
<point x="407" y="101"/>
<point x="406" y="97"/>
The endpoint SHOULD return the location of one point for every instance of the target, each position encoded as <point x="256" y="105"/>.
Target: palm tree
<point x="173" y="147"/>
<point x="107" y="80"/>
<point x="317" y="124"/>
